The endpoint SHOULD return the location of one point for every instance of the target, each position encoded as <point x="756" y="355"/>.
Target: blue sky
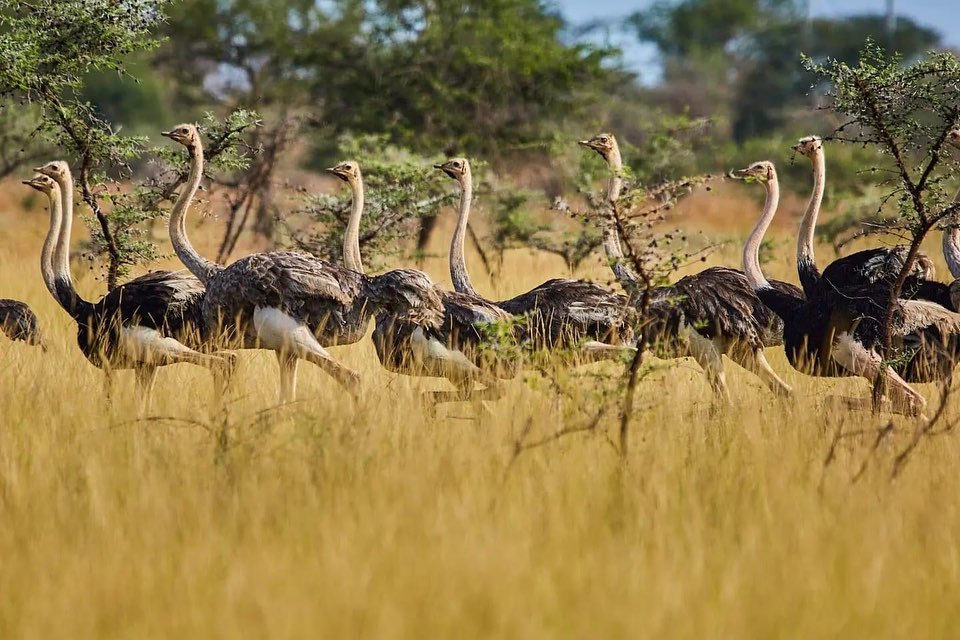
<point x="942" y="15"/>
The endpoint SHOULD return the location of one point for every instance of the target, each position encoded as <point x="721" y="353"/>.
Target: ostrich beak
<point x="167" y="134"/>
<point x="438" y="166"/>
<point x="739" y="174"/>
<point x="584" y="143"/>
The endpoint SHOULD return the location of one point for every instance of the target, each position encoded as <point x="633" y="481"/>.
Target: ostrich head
<point x="953" y="137"/>
<point x="42" y="183"/>
<point x="348" y="171"/>
<point x="603" y="143"/>
<point x="58" y="170"/>
<point x="809" y="146"/>
<point x="456" y="168"/>
<point x="186" y="134"/>
<point x="763" y="171"/>
<point x="408" y="294"/>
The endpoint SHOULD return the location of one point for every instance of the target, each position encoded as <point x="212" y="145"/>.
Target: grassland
<point x="342" y="519"/>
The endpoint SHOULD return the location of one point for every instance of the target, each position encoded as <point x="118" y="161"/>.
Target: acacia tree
<point x="50" y="48"/>
<point x="904" y="112"/>
<point x="653" y="252"/>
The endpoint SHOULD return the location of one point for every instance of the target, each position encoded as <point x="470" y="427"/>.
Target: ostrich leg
<point x="855" y="358"/>
<point x="755" y="361"/>
<point x="146" y="376"/>
<point x="288" y="376"/>
<point x="705" y="352"/>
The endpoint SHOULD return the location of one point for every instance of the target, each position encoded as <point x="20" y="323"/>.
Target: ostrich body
<point x="703" y="315"/>
<point x="879" y="266"/>
<point x="284" y="301"/>
<point x="560" y="313"/>
<point x="445" y="337"/>
<point x="19" y="323"/>
<point x="837" y="332"/>
<point x="141" y="324"/>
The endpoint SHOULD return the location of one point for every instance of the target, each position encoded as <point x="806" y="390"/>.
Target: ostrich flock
<point x="297" y="305"/>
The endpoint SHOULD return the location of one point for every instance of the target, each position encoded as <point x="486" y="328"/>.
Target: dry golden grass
<point x="342" y="519"/>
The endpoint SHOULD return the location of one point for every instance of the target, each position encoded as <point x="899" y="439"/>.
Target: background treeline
<point x="506" y="81"/>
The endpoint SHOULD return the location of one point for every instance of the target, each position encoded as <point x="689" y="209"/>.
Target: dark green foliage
<point x="434" y="76"/>
<point x="687" y="27"/>
<point x="21" y="144"/>
<point x="739" y="59"/>
<point x="772" y="82"/>
<point x="462" y="75"/>
<point x="134" y="102"/>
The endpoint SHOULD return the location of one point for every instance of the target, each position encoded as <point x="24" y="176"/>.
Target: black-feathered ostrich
<point x="880" y="265"/>
<point x="140" y="325"/>
<point x="451" y="341"/>
<point x="579" y="318"/>
<point x="837" y="332"/>
<point x="704" y="315"/>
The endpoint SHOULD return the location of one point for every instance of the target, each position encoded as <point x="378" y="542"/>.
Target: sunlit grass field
<point x="335" y="518"/>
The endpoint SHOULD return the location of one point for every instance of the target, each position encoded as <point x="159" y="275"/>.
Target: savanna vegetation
<point x="623" y="498"/>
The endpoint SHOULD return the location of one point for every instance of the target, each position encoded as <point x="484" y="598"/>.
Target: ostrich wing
<point x="562" y="312"/>
<point x="879" y="266"/>
<point x="562" y="293"/>
<point x="162" y="300"/>
<point x="465" y="316"/>
<point x="922" y="315"/>
<point x="299" y="277"/>
<point x="720" y="302"/>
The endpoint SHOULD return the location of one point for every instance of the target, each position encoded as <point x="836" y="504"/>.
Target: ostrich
<point x="287" y="302"/>
<point x="445" y="342"/>
<point x="133" y="326"/>
<point x="558" y="314"/>
<point x="837" y="332"/>
<point x="704" y="315"/>
<point x="19" y="323"/>
<point x="870" y="266"/>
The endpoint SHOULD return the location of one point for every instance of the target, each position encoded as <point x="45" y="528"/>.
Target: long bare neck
<point x="197" y="264"/>
<point x="49" y="242"/>
<point x="806" y="260"/>
<point x="458" y="262"/>
<point x="351" y="238"/>
<point x="611" y="238"/>
<point x="751" y="250"/>
<point x="951" y="246"/>
<point x="67" y="294"/>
